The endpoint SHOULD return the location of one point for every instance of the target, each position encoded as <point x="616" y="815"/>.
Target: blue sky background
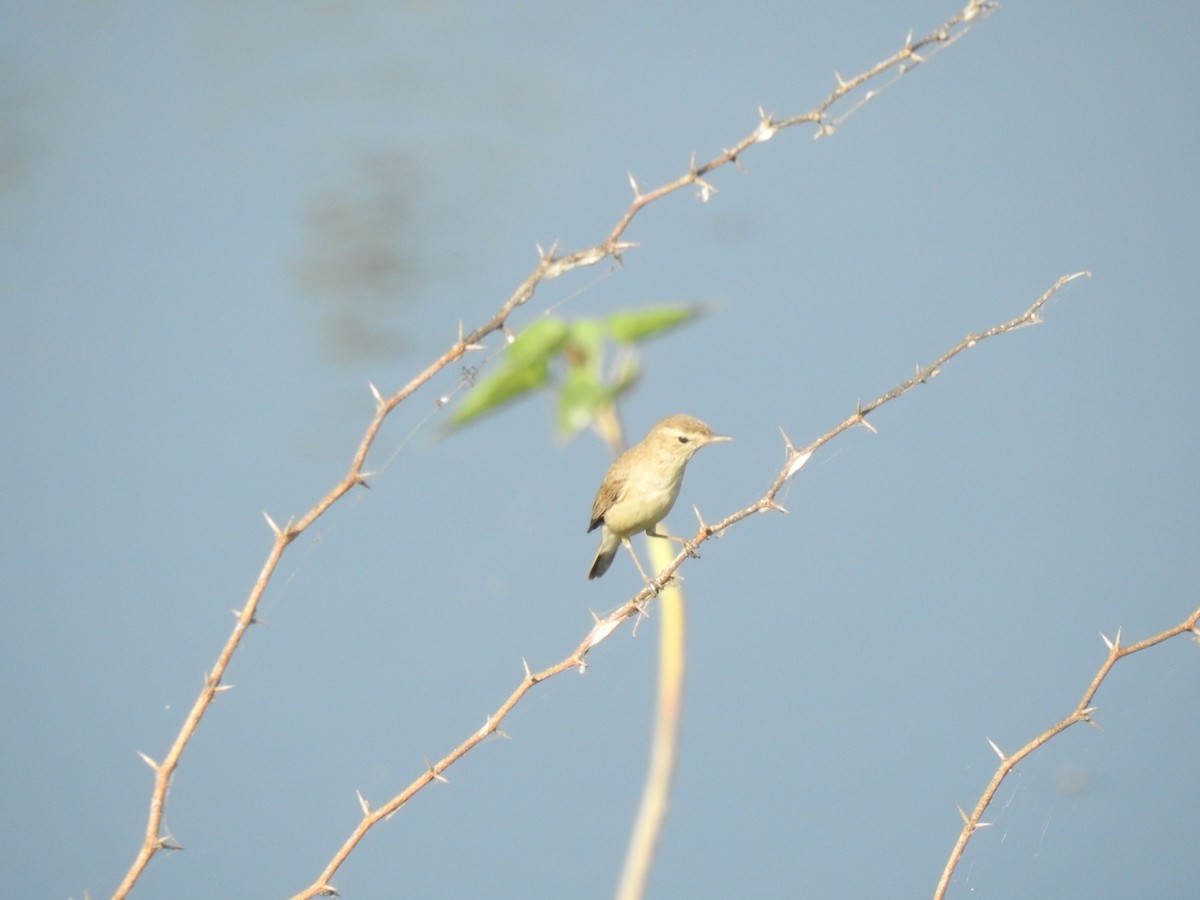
<point x="218" y="222"/>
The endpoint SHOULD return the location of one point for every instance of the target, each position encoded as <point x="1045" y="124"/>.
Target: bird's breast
<point x="643" y="504"/>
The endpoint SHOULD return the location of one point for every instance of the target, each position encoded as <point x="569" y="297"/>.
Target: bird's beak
<point x="717" y="438"/>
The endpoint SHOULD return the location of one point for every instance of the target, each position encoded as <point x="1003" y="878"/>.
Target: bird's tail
<point x="609" y="544"/>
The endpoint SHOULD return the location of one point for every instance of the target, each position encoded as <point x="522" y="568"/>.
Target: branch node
<point x="799" y="459"/>
<point x="766" y="129"/>
<point x="166" y="842"/>
<point x="148" y="761"/>
<point x="601" y="630"/>
<point x="434" y="773"/>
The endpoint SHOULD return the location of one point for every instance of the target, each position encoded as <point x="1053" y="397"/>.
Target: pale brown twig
<point x="1081" y="713"/>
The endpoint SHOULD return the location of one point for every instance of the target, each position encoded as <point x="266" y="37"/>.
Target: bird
<point x="641" y="486"/>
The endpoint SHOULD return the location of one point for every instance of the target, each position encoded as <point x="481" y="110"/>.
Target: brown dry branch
<point x="550" y="265"/>
<point x="603" y="627"/>
<point x="1081" y="713"/>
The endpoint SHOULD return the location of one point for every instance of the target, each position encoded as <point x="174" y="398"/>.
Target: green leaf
<point x="510" y="382"/>
<point x="636" y="325"/>
<point x="579" y="396"/>
<point x="585" y="342"/>
<point x="537" y="343"/>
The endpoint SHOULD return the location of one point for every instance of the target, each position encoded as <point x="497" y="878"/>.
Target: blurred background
<point x="219" y="222"/>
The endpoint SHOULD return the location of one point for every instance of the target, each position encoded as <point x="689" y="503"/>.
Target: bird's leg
<point x="687" y="545"/>
<point x="629" y="546"/>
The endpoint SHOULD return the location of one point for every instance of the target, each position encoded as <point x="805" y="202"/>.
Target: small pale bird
<point x="640" y="487"/>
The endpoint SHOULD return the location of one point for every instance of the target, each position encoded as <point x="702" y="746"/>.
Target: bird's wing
<point x="609" y="493"/>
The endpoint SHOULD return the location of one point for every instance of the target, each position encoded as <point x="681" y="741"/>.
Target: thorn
<point x="274" y="527"/>
<point x="1107" y="642"/>
<point x="1117" y="639"/>
<point x="166" y="842"/>
<point x="642" y="612"/>
<point x="525" y="663"/>
<point x="500" y="733"/>
<point x="462" y="340"/>
<point x="799" y="460"/>
<point x="699" y="518"/>
<point x="966" y="819"/>
<point x="999" y="752"/>
<point x="435" y="775"/>
<point x="908" y="39"/>
<point x="867" y="425"/>
<point x="361" y="479"/>
<point x="840" y="80"/>
<point x="375" y="391"/>
<point x="148" y="761"/>
<point x="582" y="665"/>
<point x="771" y="504"/>
<point x="916" y="57"/>
<point x="222" y="688"/>
<point x="787" y="441"/>
<point x="637" y="194"/>
<point x="705" y="191"/>
<point x="828" y="129"/>
<point x="362" y="803"/>
<point x="979" y="825"/>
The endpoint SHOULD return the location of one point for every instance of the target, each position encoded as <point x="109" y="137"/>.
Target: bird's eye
<point x="683" y="439"/>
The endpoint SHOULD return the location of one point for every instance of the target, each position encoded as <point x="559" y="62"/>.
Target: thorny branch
<point x="605" y="626"/>
<point x="1081" y="713"/>
<point x="550" y="265"/>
